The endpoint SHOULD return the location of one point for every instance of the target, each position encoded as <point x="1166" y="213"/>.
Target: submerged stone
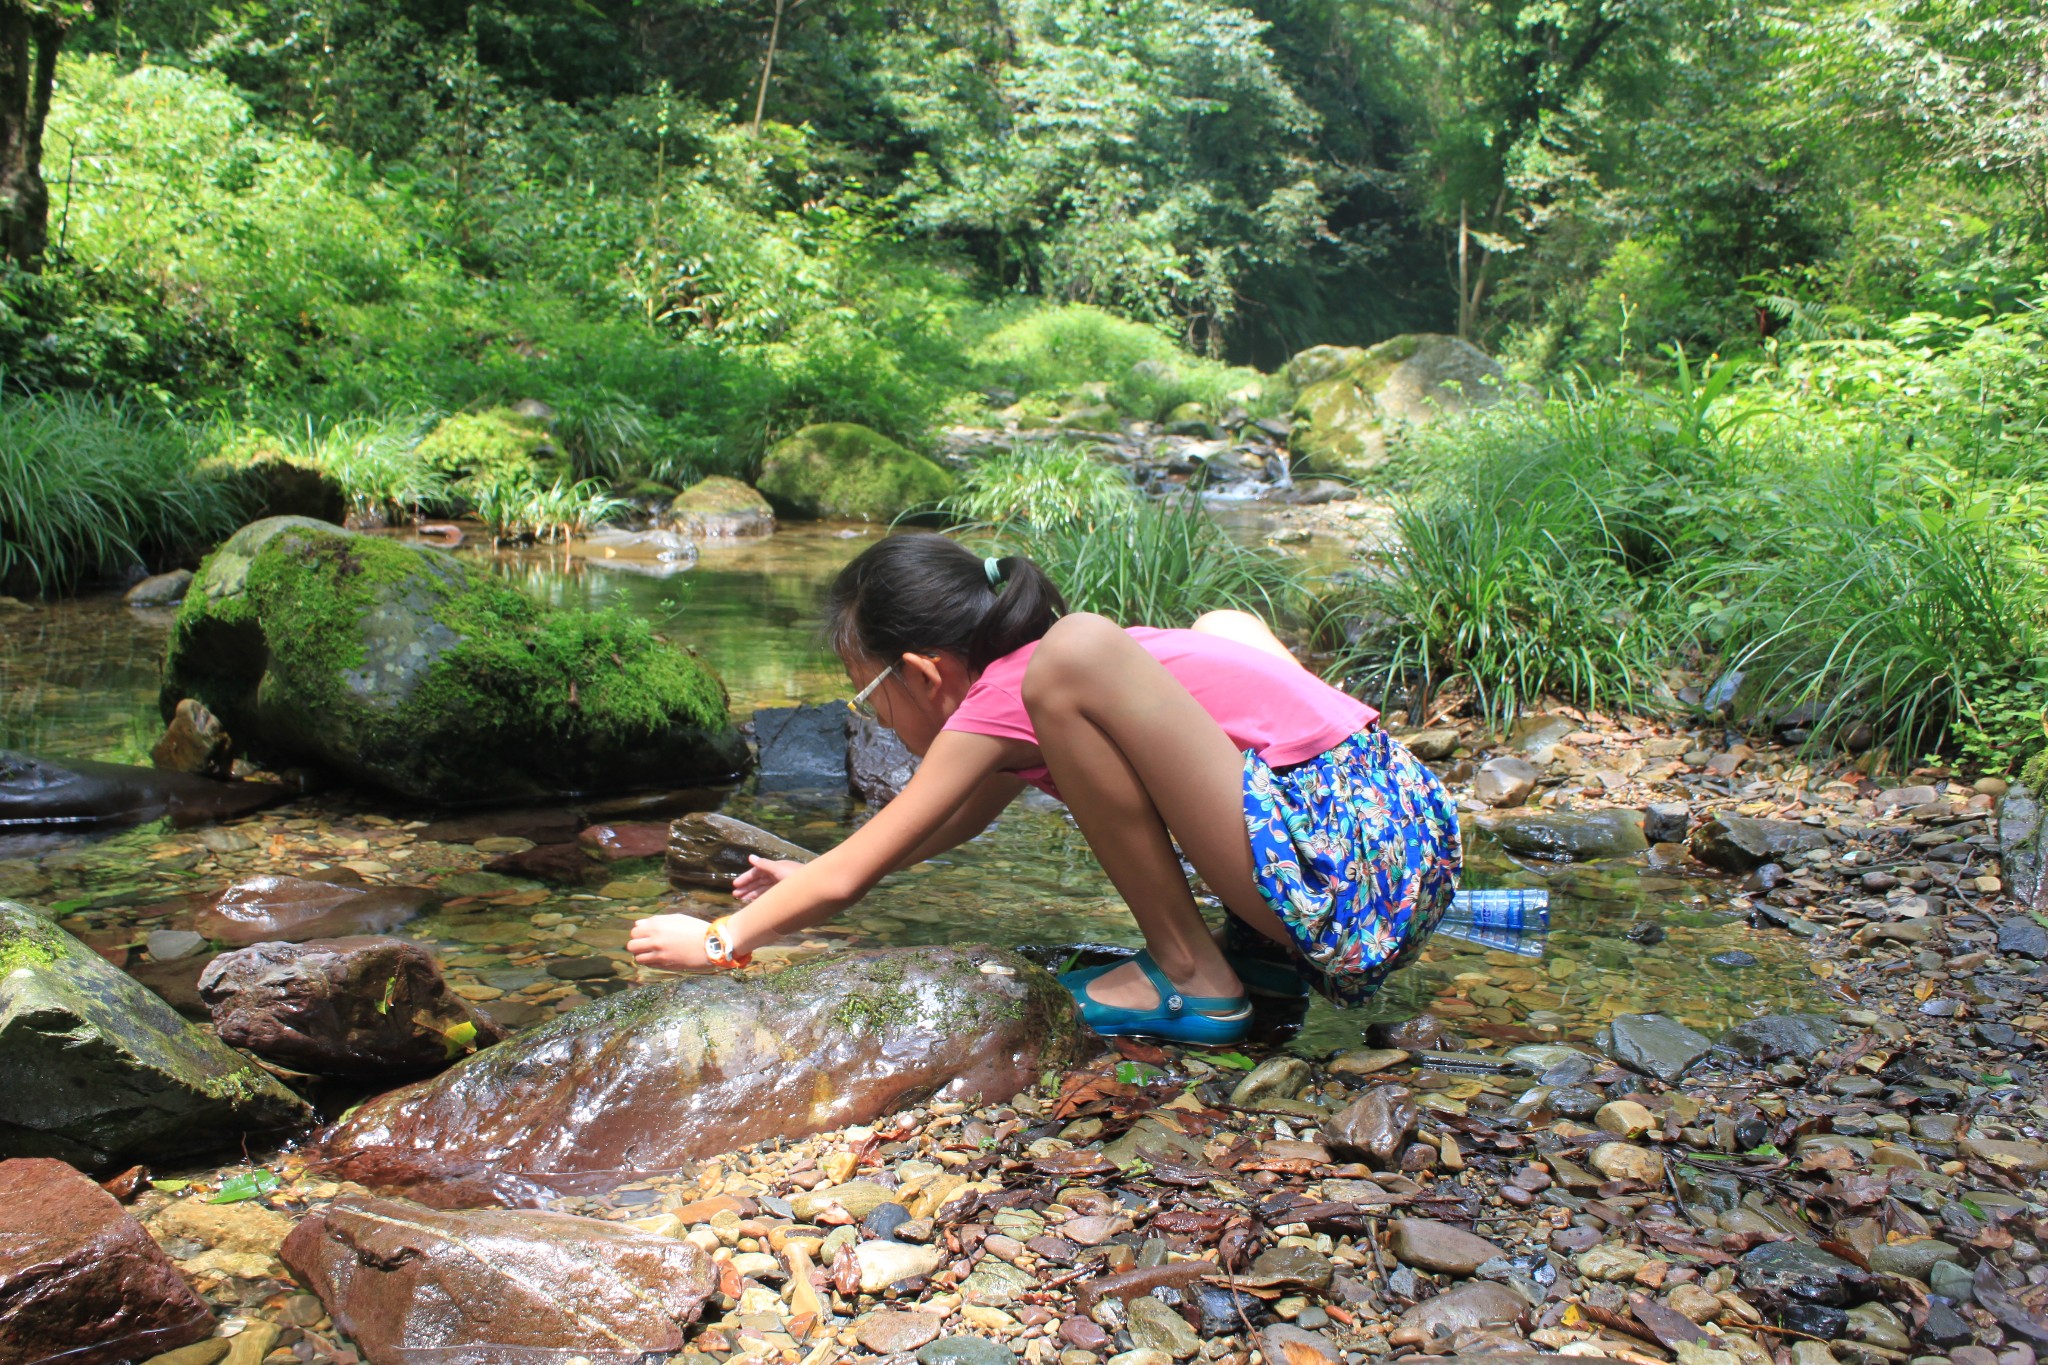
<point x="710" y="850"/>
<point x="1575" y="835"/>
<point x="96" y="1069"/>
<point x="293" y="909"/>
<point x="651" y="1079"/>
<point x="1653" y="1045"/>
<point x="408" y="669"/>
<point x="38" y="793"/>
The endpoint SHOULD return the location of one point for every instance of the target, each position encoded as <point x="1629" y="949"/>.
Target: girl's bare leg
<point x="1141" y="764"/>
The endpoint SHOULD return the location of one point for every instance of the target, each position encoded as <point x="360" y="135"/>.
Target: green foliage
<point x="840" y="469"/>
<point x="373" y="459"/>
<point x="522" y="508"/>
<point x="1042" y="485"/>
<point x="89" y="486"/>
<point x="479" y="449"/>
<point x="1057" y="351"/>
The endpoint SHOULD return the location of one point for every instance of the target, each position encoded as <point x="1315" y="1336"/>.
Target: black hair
<point x="922" y="593"/>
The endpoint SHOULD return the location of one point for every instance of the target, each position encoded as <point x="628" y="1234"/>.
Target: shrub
<point x="88" y="486"/>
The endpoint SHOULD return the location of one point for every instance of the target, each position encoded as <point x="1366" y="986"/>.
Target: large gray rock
<point x="802" y="748"/>
<point x="1779" y="1035"/>
<point x="654" y="1079"/>
<point x="1345" y="397"/>
<point x="878" y="766"/>
<point x="406" y="668"/>
<point x="1652" y="1045"/>
<point x="2023" y="846"/>
<point x="1576" y="836"/>
<point x="95" y="1069"/>
<point x="1737" y="843"/>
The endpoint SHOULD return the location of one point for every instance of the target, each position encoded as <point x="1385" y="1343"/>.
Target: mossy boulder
<point x="96" y="1070"/>
<point x="1345" y="397"/>
<point x="405" y="668"/>
<point x="839" y="469"/>
<point x="719" y="507"/>
<point x="501" y="446"/>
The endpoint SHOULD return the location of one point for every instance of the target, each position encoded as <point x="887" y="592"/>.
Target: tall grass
<point x="89" y="486"/>
<point x="1040" y="485"/>
<point x="373" y="461"/>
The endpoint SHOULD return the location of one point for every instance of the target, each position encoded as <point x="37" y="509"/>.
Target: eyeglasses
<point x="860" y="698"/>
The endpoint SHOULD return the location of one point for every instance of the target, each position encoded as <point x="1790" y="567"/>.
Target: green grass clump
<point x="1055" y="350"/>
<point x="1040" y="485"/>
<point x="89" y="486"/>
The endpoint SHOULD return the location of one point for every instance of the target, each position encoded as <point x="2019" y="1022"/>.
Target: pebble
<point x="889" y="1331"/>
<point x="1624" y="1119"/>
<point x="885" y="1263"/>
<point x="965" y="1350"/>
<point x="1626" y="1161"/>
<point x="1154" y="1326"/>
<point x="1439" y="1247"/>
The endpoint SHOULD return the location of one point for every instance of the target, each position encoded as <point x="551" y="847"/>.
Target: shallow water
<point x="78" y="679"/>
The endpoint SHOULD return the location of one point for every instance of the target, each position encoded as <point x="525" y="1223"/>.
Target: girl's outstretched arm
<point x="990" y="799"/>
<point x="950" y="778"/>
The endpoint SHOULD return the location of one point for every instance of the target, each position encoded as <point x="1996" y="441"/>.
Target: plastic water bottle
<point x="1500" y="908"/>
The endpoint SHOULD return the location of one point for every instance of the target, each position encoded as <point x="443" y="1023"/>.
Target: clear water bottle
<point x="1507" y="920"/>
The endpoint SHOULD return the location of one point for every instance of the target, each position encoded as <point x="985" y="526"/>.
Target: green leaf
<point x="1764" y="1149"/>
<point x="169" y="1186"/>
<point x="248" y="1185"/>
<point x="390" y="994"/>
<point x="1236" y="1061"/>
<point x="461" y="1038"/>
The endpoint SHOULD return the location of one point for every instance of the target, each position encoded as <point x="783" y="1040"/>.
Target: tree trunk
<point x="768" y="66"/>
<point x="28" y="71"/>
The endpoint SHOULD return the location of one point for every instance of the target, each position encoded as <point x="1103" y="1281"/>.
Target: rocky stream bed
<point x="1770" y="1094"/>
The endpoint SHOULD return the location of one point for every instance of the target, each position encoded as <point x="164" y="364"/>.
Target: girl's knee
<point x="1226" y="622"/>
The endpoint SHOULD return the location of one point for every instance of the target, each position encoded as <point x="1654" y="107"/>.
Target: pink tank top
<point x="1271" y="706"/>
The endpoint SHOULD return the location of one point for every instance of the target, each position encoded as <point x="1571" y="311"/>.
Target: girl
<point x="1330" y="846"/>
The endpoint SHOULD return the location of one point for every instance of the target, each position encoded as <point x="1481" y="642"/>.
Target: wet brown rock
<point x="81" y="793"/>
<point x="1472" y="1305"/>
<point x="403" y="1280"/>
<point x="1286" y="1344"/>
<point x="1374" y="1127"/>
<point x="79" y="1278"/>
<point x="293" y="909"/>
<point x="1505" y="781"/>
<point x="710" y="850"/>
<point x="566" y="863"/>
<point x="1626" y="1161"/>
<point x="1440" y="1247"/>
<point x="616" y="843"/>
<point x="342" y="1007"/>
<point x="888" y="1332"/>
<point x="194" y="742"/>
<point x="651" y="1079"/>
<point x="1425" y="1033"/>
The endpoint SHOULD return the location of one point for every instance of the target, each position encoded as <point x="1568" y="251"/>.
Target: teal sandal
<point x="1177" y="1018"/>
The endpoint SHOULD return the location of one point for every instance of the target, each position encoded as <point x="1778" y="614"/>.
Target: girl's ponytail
<point x="921" y="593"/>
<point x="1026" y="605"/>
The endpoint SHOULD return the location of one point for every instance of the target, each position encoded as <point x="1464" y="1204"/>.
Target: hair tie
<point x="994" y="569"/>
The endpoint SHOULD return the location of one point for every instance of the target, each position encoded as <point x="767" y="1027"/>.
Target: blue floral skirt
<point x="1357" y="851"/>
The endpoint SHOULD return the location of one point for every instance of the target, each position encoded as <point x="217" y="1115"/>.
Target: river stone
<point x="408" y="669"/>
<point x="883" y="1263"/>
<point x="1439" y="1247"/>
<point x="80" y="1281"/>
<point x="271" y="908"/>
<point x="1578" y="836"/>
<point x="858" y="1197"/>
<point x="1276" y="1078"/>
<point x="1626" y="1161"/>
<point x="170" y="945"/>
<point x="406" y="1281"/>
<point x="95" y="1069"/>
<point x="2007" y="1155"/>
<point x="1469" y="1306"/>
<point x="1285" y="1344"/>
<point x="1155" y="1327"/>
<point x="840" y="469"/>
<point x="80" y="794"/>
<point x="802" y="748"/>
<point x="1293" y="1265"/>
<point x="888" y="1331"/>
<point x="618" y="842"/>
<point x="1779" y="1035"/>
<point x="1737" y="843"/>
<point x="1431" y="746"/>
<point x="194" y="742"/>
<point x="710" y="850"/>
<point x="965" y="1350"/>
<point x="1367" y="1061"/>
<point x="342" y="1007"/>
<point x="1799" y="1271"/>
<point x="877" y="764"/>
<point x="1652" y="1045"/>
<point x="1374" y="1127"/>
<point x="2023" y="847"/>
<point x="2023" y="936"/>
<point x="1505" y="781"/>
<point x="1624" y="1119"/>
<point x="655" y="1078"/>
<point x="1914" y="1258"/>
<point x="160" y="590"/>
<point x="721" y="508"/>
<point x="1667" y="822"/>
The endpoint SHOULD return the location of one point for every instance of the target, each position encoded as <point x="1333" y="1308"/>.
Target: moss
<point x="2035" y="774"/>
<point x="843" y="470"/>
<point x="496" y="446"/>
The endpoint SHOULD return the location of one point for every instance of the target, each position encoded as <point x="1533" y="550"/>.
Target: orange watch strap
<point x="722" y="927"/>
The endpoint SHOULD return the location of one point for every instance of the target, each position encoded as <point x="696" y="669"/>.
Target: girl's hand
<point x="674" y="943"/>
<point x="764" y="873"/>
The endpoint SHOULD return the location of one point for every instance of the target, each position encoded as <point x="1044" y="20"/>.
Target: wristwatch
<point x="718" y="946"/>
